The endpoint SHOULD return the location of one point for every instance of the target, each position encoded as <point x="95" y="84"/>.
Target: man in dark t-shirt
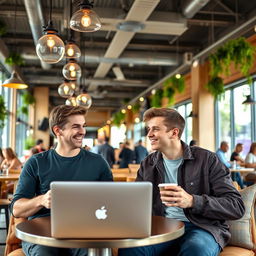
<point x="67" y="162"/>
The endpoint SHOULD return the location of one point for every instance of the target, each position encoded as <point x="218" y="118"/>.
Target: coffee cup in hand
<point x="163" y="185"/>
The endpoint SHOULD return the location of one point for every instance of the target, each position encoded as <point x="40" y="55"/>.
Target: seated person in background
<point x="40" y="145"/>
<point x="250" y="162"/>
<point x="235" y="155"/>
<point x="192" y="143"/>
<point x="11" y="161"/>
<point x="140" y="152"/>
<point x="67" y="162"/>
<point x="107" y="152"/>
<point x="204" y="198"/>
<point x="1" y="156"/>
<point x="236" y="176"/>
<point x="126" y="156"/>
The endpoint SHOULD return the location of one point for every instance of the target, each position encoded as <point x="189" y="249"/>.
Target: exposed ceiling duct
<point x="36" y="22"/>
<point x="191" y="7"/>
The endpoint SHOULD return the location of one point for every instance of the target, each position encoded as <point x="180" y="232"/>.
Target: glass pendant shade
<point x="73" y="85"/>
<point x="84" y="100"/>
<point x="72" y="71"/>
<point x="65" y="90"/>
<point x="71" y="101"/>
<point x="72" y="50"/>
<point x="15" y="82"/>
<point x="50" y="48"/>
<point x="85" y="20"/>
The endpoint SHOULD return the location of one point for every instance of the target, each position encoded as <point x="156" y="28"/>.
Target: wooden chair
<point x="130" y="179"/>
<point x="120" y="178"/>
<point x="133" y="167"/>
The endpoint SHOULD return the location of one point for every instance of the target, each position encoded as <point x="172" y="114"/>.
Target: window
<point x="185" y="109"/>
<point x="235" y="122"/>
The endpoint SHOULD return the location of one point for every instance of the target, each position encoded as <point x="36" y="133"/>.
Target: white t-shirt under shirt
<point x="171" y="167"/>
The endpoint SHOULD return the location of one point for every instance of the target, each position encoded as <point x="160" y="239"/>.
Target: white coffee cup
<point x="161" y="185"/>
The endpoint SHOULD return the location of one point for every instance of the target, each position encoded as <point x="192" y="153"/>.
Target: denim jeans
<point x="40" y="250"/>
<point x="194" y="242"/>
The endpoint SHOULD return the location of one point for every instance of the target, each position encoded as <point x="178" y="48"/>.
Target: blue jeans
<point x="194" y="242"/>
<point x="40" y="250"/>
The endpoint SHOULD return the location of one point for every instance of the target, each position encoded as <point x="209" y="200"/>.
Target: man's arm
<point x="25" y="207"/>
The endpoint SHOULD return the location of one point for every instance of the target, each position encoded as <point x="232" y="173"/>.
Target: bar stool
<point x="4" y="204"/>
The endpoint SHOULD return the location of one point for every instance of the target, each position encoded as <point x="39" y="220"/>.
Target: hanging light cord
<point x="50" y="10"/>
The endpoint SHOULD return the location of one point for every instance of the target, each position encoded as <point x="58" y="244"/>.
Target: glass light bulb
<point x="50" y="48"/>
<point x="71" y="101"/>
<point x="65" y="90"/>
<point x="70" y="52"/>
<point x="86" y="21"/>
<point x="50" y="42"/>
<point x="73" y="85"/>
<point x="84" y="100"/>
<point x="72" y="71"/>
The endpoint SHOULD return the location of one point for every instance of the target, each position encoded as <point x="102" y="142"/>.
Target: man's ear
<point x="175" y="133"/>
<point x="57" y="130"/>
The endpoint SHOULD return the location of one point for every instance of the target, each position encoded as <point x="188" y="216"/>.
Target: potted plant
<point x="14" y="59"/>
<point x="3" y="112"/>
<point x="156" y="99"/>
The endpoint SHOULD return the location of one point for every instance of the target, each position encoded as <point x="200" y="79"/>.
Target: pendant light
<point x="85" y="19"/>
<point x="15" y="82"/>
<point x="72" y="70"/>
<point x="71" y="101"/>
<point x="84" y="99"/>
<point x="50" y="48"/>
<point x="249" y="100"/>
<point x="65" y="90"/>
<point x="72" y="50"/>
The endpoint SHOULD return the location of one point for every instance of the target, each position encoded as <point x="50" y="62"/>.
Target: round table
<point x="38" y="231"/>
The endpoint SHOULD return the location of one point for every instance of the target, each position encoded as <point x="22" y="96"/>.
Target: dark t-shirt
<point x="43" y="168"/>
<point x="233" y="156"/>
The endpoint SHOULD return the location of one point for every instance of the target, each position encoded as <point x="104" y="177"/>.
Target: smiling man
<point x="204" y="198"/>
<point x="67" y="162"/>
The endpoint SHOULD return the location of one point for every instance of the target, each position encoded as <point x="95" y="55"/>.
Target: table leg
<point x="99" y="252"/>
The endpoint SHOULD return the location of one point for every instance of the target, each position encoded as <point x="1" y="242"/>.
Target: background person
<point x="67" y="162"/>
<point x="40" y="145"/>
<point x="204" y="198"/>
<point x="107" y="152"/>
<point x="250" y="162"/>
<point x="140" y="152"/>
<point x="192" y="143"/>
<point x="11" y="161"/>
<point x="126" y="156"/>
<point x="235" y="156"/>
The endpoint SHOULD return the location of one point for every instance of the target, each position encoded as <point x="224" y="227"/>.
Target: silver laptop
<point x="101" y="209"/>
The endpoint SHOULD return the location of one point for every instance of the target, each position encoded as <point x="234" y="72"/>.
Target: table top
<point x="38" y="231"/>
<point x="9" y="177"/>
<point x="243" y="170"/>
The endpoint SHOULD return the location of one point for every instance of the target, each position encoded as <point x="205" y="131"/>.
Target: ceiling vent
<point x="130" y="26"/>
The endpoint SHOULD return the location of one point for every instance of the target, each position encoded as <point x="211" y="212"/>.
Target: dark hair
<point x="34" y="151"/>
<point x="39" y="141"/>
<point x="252" y="148"/>
<point x="192" y="143"/>
<point x="10" y="153"/>
<point x="59" y="115"/>
<point x="172" y="118"/>
<point x="223" y="143"/>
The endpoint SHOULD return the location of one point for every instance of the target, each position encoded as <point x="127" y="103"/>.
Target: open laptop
<point x="101" y="209"/>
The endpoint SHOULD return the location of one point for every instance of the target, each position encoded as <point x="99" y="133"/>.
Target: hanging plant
<point x="135" y="108"/>
<point x="169" y="92"/>
<point x="15" y="59"/>
<point x="3" y="112"/>
<point x="3" y="29"/>
<point x="178" y="84"/>
<point x="240" y="52"/>
<point x="156" y="99"/>
<point x="27" y="99"/>
<point x="118" y="118"/>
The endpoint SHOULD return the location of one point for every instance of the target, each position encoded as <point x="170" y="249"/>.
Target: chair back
<point x="133" y="167"/>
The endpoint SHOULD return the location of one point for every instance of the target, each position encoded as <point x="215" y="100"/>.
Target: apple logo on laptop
<point x="101" y="213"/>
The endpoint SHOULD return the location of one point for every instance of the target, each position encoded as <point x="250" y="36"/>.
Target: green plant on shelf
<point x="237" y="51"/>
<point x="3" y="112"/>
<point x="135" y="108"/>
<point x="156" y="99"/>
<point x="14" y="59"/>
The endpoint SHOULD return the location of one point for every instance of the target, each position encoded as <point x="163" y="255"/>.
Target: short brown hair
<point x="252" y="147"/>
<point x="59" y="115"/>
<point x="172" y="118"/>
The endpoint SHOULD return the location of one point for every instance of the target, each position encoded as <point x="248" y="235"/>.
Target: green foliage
<point x="29" y="143"/>
<point x="156" y="99"/>
<point x="135" y="108"/>
<point x="14" y="59"/>
<point x="3" y="29"/>
<point x="238" y="51"/>
<point x="27" y="99"/>
<point x="169" y="92"/>
<point x="3" y="112"/>
<point x="215" y="86"/>
<point x="118" y="118"/>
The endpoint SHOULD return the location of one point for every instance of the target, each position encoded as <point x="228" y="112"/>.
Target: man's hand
<point x="46" y="200"/>
<point x="176" y="196"/>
